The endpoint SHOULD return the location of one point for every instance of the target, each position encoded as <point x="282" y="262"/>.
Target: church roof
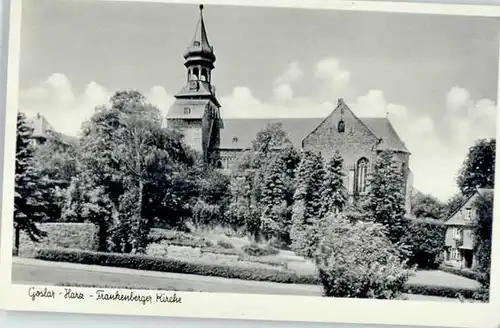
<point x="239" y="133"/>
<point x="382" y="128"/>
<point x="199" y="44"/>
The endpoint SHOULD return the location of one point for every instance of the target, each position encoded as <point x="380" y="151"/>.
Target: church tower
<point x="196" y="110"/>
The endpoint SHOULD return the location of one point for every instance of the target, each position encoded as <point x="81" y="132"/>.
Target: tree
<point x="482" y="234"/>
<point x="453" y="204"/>
<point x="270" y="149"/>
<point x="427" y="206"/>
<point x="385" y="200"/>
<point x="142" y="168"/>
<point x="307" y="203"/>
<point x="273" y="200"/>
<point x="29" y="204"/>
<point x="356" y="259"/>
<point x="478" y="169"/>
<point x="425" y="241"/>
<point x="333" y="193"/>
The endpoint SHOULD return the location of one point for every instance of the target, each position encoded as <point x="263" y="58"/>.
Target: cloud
<point x="283" y="91"/>
<point x="332" y="77"/>
<point x="436" y="157"/>
<point x="55" y="98"/>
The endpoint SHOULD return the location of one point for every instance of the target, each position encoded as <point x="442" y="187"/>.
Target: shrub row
<point x="219" y="250"/>
<point x="142" y="262"/>
<point x="260" y="250"/>
<point x="442" y="291"/>
<point x="467" y="274"/>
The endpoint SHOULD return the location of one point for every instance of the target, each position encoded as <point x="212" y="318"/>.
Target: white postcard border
<point x="246" y="306"/>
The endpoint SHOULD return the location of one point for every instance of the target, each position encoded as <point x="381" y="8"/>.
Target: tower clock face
<point x="193" y="85"/>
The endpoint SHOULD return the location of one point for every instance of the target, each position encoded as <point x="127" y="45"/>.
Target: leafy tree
<point x="308" y="203"/>
<point x="56" y="158"/>
<point x="482" y="234"/>
<point x="427" y="206"/>
<point x="478" y="169"/>
<point x="385" y="200"/>
<point x="251" y="179"/>
<point x="425" y="241"/>
<point x="333" y="193"/>
<point x="356" y="259"/>
<point x="142" y="168"/>
<point x="29" y="203"/>
<point x="273" y="200"/>
<point x="453" y="204"/>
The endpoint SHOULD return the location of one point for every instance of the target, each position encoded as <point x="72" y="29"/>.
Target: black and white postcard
<point x="277" y="160"/>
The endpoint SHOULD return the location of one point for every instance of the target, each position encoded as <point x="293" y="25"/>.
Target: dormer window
<point x="187" y="110"/>
<point x="196" y="43"/>
<point x="341" y="126"/>
<point x="235" y="139"/>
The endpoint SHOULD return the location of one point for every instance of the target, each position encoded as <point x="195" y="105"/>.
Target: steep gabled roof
<point x="41" y="127"/>
<point x="244" y="131"/>
<point x="383" y="129"/>
<point x="482" y="192"/>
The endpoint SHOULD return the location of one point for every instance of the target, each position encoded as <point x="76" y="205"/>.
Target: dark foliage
<point x="478" y="169"/>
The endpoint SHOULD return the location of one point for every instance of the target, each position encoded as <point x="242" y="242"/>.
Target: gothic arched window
<point x="361" y="175"/>
<point x="341" y="126"/>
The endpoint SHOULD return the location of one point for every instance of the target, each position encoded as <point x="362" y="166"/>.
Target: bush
<point x="441" y="291"/>
<point x="224" y="244"/>
<point x="358" y="260"/>
<point x="82" y="236"/>
<point x="220" y="250"/>
<point x="140" y="262"/>
<point x="177" y="238"/>
<point x="425" y="241"/>
<point x="260" y="250"/>
<point x="466" y="274"/>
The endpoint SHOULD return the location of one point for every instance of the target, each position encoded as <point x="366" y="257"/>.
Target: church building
<point x="196" y="111"/>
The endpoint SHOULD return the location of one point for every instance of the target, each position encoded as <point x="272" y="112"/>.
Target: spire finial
<point x="201" y="8"/>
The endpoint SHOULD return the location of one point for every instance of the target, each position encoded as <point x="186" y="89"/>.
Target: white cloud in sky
<point x="436" y="157"/>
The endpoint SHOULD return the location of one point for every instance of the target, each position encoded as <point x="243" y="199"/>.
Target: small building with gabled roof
<point x="459" y="240"/>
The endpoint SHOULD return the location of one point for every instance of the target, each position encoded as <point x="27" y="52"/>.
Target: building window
<point x="235" y="139"/>
<point x="468" y="214"/>
<point x="187" y="110"/>
<point x="196" y="43"/>
<point x="455" y="254"/>
<point x="361" y="175"/>
<point x="341" y="126"/>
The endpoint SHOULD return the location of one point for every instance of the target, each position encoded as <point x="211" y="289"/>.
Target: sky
<point x="435" y="77"/>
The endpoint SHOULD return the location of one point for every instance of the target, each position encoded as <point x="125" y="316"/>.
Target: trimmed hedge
<point x="260" y="250"/>
<point x="141" y="262"/>
<point x="466" y="274"/>
<point x="83" y="236"/>
<point x="442" y="291"/>
<point x="220" y="250"/>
